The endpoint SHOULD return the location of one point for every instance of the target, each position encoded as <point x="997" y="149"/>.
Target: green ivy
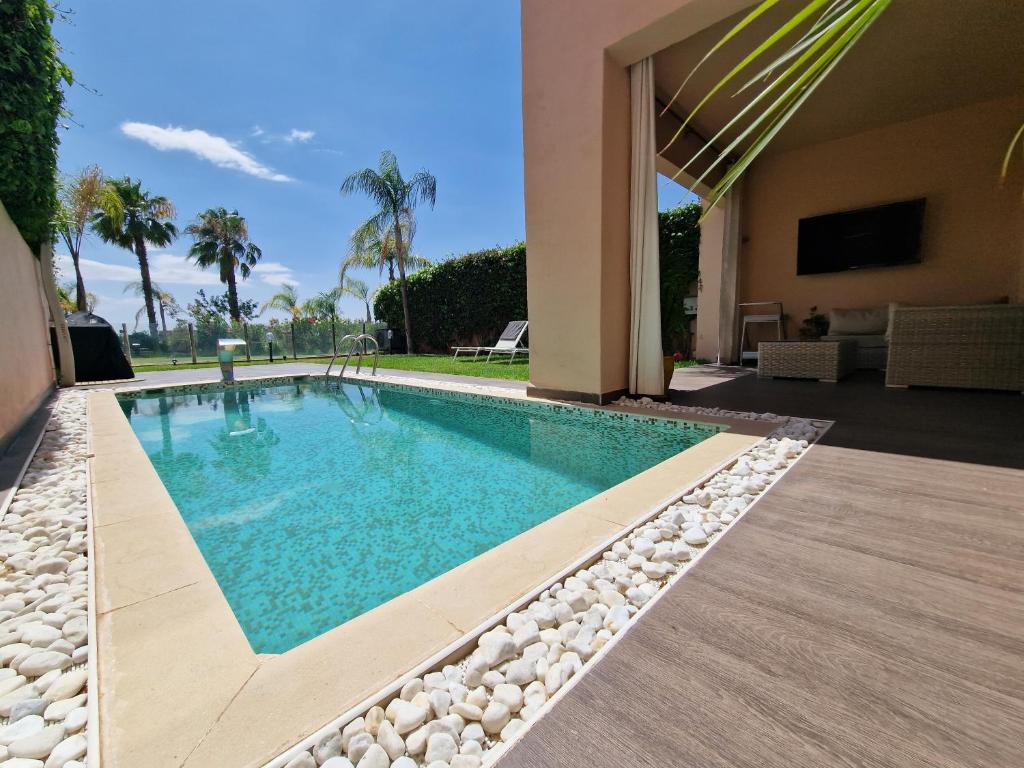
<point x="31" y="101"/>
<point x="679" y="238"/>
<point x="467" y="300"/>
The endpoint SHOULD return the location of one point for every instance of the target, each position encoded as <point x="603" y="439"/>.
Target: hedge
<point x="31" y="101"/>
<point x="469" y="300"/>
<point x="679" y="238"/>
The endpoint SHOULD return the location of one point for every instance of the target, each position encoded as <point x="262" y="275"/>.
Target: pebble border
<point x="467" y="714"/>
<point x="44" y="601"/>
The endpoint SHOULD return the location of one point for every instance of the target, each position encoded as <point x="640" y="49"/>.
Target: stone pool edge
<point x="221" y="703"/>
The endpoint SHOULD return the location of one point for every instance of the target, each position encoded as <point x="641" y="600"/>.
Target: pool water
<point x="315" y="501"/>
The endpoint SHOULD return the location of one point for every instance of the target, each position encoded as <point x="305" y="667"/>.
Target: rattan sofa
<point x="976" y="347"/>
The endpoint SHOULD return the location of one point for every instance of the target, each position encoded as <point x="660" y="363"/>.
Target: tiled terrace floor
<point x="869" y="611"/>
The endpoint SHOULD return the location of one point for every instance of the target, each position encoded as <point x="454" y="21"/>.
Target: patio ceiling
<point x="919" y="58"/>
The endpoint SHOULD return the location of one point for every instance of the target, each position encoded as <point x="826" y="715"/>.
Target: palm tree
<point x="369" y="248"/>
<point x="396" y="200"/>
<point x="146" y="219"/>
<point x="70" y="305"/>
<point x="166" y="304"/>
<point x="222" y="240"/>
<point x="78" y="200"/>
<point x="323" y="304"/>
<point x="359" y="290"/>
<point x="286" y="300"/>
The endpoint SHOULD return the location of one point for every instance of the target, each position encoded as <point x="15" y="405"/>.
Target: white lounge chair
<point x="508" y="343"/>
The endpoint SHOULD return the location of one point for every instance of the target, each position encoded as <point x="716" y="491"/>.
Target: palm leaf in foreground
<point x="1018" y="138"/>
<point x="808" y="60"/>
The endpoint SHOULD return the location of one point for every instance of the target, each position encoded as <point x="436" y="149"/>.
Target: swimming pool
<point x="314" y="501"/>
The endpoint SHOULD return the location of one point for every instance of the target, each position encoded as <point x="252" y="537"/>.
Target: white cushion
<point x="855" y="322"/>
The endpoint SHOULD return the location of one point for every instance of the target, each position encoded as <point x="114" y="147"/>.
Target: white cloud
<point x="164" y="268"/>
<point x="274" y="273"/>
<point x="97" y="270"/>
<point x="215" y="149"/>
<point x="301" y="136"/>
<point x="256" y="131"/>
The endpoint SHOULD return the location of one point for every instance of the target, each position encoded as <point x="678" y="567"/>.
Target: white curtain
<point x="646" y="367"/>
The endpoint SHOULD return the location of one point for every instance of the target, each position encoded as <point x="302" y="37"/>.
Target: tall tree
<point x="324" y="304"/>
<point x="166" y="304"/>
<point x="369" y="248"/>
<point x="78" y="200"/>
<point x="396" y="199"/>
<point x="69" y="305"/>
<point x="285" y="300"/>
<point x="146" y="219"/>
<point x="222" y="240"/>
<point x="359" y="290"/>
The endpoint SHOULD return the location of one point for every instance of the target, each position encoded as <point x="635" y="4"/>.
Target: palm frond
<point x="779" y="103"/>
<point x="1017" y="137"/>
<point x="422" y="189"/>
<point x="370" y="183"/>
<point x="804" y="64"/>
<point x="286" y="300"/>
<point x="842" y="47"/>
<point x="743" y="24"/>
<point x="781" y="33"/>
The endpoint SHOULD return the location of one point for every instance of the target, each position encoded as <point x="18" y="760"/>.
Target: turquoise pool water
<point x="315" y="501"/>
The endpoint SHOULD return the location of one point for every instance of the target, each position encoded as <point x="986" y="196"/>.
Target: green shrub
<point x="463" y="301"/>
<point x="31" y="101"/>
<point x="469" y="300"/>
<point x="679" y="238"/>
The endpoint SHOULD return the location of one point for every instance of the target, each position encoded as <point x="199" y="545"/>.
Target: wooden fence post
<point x="127" y="342"/>
<point x="192" y="342"/>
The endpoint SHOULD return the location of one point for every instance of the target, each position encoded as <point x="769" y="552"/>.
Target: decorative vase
<point x="670" y="367"/>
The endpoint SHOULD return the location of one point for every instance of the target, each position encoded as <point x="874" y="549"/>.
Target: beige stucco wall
<point x="973" y="236"/>
<point x="26" y="368"/>
<point x="576" y="142"/>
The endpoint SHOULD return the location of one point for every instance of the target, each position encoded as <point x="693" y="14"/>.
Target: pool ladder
<point x="354" y="340"/>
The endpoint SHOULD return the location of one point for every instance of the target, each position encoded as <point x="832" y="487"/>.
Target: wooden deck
<point x="869" y="611"/>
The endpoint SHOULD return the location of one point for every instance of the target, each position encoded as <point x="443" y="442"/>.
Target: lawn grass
<point x="464" y="366"/>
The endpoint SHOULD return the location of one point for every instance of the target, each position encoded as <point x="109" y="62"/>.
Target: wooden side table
<point x="822" y="360"/>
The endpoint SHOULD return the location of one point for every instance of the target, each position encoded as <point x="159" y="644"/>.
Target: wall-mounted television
<point x="880" y="236"/>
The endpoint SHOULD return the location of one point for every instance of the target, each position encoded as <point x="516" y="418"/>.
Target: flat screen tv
<point x="881" y="236"/>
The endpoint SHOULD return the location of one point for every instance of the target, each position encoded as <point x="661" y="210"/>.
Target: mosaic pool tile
<point x="315" y="500"/>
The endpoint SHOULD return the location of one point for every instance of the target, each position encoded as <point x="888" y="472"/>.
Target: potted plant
<point x="814" y="326"/>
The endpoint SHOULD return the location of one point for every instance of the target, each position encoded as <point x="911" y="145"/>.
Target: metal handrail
<point x="359" y="364"/>
<point x="341" y="346"/>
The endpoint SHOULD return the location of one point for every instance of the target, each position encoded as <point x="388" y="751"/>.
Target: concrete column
<point x="575" y="55"/>
<point x="577" y="220"/>
<point x="60" y="326"/>
<point x="719" y="281"/>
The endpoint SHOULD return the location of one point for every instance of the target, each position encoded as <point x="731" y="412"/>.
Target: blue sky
<point x="267" y="106"/>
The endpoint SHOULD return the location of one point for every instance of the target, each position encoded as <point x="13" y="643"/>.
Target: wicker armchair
<point x="977" y="347"/>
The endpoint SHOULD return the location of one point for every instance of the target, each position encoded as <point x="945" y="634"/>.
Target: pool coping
<point x="178" y="682"/>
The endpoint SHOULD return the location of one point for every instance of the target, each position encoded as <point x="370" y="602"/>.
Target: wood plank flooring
<point x="869" y="611"/>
